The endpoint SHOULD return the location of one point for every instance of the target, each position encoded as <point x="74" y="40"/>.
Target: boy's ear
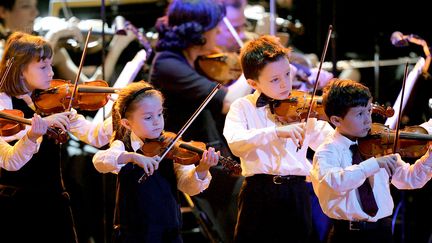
<point x="252" y="83"/>
<point x="125" y="122"/>
<point x="335" y="120"/>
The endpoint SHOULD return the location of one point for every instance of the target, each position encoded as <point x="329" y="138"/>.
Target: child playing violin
<point x="35" y="201"/>
<point x="353" y="191"/>
<point x="12" y="158"/>
<point x="274" y="189"/>
<point x="148" y="211"/>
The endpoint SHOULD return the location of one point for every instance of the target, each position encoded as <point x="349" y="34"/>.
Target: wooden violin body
<point x="90" y="96"/>
<point x="12" y="122"/>
<point x="223" y="68"/>
<point x="185" y="153"/>
<point x="413" y="142"/>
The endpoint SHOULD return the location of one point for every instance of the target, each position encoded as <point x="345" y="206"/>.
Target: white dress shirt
<point x="428" y="126"/>
<point x="96" y="135"/>
<point x="251" y="135"/>
<point x="12" y="158"/>
<point x="335" y="180"/>
<point x="187" y="179"/>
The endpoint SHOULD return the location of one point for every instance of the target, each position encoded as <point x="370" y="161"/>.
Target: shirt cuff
<point x="370" y="166"/>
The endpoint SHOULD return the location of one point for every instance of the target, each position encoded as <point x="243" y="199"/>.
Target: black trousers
<point x="273" y="212"/>
<point x="378" y="232"/>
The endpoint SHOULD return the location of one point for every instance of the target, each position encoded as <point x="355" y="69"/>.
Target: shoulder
<point x="329" y="144"/>
<point x="165" y="56"/>
<point x="245" y="101"/>
<point x="5" y="101"/>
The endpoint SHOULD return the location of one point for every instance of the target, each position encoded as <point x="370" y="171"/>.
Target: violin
<point x="12" y="122"/>
<point x="185" y="153"/>
<point x="223" y="68"/>
<point x="413" y="141"/>
<point x="90" y="96"/>
<point x="295" y="108"/>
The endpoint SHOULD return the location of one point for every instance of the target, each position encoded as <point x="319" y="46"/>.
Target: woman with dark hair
<point x="188" y="31"/>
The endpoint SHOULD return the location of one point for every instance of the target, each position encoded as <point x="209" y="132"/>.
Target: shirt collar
<point x="342" y="140"/>
<point x="136" y="142"/>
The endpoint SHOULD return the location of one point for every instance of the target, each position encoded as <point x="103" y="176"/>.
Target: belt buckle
<point x="276" y="180"/>
<point x="354" y="226"/>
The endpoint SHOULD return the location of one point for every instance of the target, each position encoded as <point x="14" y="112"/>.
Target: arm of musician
<point x="106" y="161"/>
<point x="188" y="180"/>
<point x="413" y="176"/>
<point x="116" y="47"/>
<point x="66" y="68"/>
<point x="95" y="134"/>
<point x="13" y="158"/>
<point x="236" y="90"/>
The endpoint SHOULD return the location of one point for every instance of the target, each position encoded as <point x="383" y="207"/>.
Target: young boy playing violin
<point x="356" y="193"/>
<point x="274" y="204"/>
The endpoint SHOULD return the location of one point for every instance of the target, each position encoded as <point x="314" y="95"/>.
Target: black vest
<point x="42" y="172"/>
<point x="150" y="204"/>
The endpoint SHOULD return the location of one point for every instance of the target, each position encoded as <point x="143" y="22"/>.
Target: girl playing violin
<point x="149" y="211"/>
<point x="34" y="199"/>
<point x="189" y="31"/>
<point x="12" y="158"/>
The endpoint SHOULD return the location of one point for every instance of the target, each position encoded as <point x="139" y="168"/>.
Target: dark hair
<point x="187" y="22"/>
<point x="8" y="5"/>
<point x="126" y="102"/>
<point x="259" y="52"/>
<point x="342" y="94"/>
<point x="25" y="48"/>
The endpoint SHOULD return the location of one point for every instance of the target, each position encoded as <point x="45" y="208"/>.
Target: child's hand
<point x="388" y="162"/>
<point x="149" y="164"/>
<point x="293" y="131"/>
<point x="38" y="128"/>
<point x="209" y="158"/>
<point x="60" y="120"/>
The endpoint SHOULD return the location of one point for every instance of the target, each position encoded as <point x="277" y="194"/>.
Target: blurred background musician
<point x="21" y="15"/>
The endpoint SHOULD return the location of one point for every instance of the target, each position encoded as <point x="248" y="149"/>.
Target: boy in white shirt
<point x="338" y="179"/>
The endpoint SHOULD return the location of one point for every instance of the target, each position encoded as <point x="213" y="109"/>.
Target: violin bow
<point x="233" y="31"/>
<point x="9" y="63"/>
<point x="396" y="139"/>
<point x="330" y="29"/>
<point x="186" y="126"/>
<point x="79" y="69"/>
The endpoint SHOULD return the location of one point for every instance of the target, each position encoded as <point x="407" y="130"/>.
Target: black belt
<point x="361" y="225"/>
<point x="276" y="179"/>
<point x="8" y="191"/>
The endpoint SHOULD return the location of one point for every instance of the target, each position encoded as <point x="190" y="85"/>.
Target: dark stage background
<point x="362" y="30"/>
